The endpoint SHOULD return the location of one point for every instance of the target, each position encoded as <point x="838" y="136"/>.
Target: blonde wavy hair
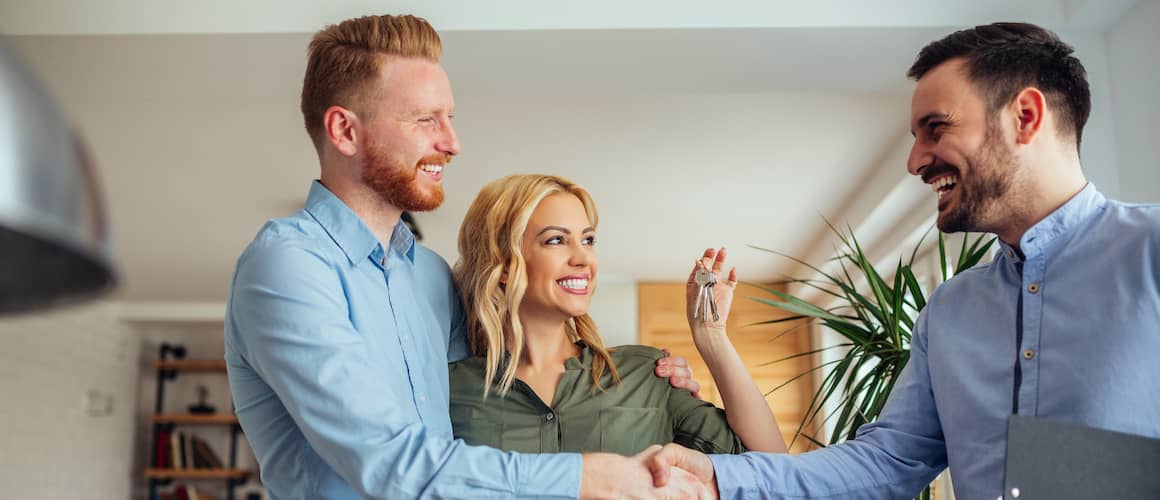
<point x="489" y="249"/>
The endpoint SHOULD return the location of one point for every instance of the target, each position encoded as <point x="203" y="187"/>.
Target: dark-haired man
<point x="1063" y="324"/>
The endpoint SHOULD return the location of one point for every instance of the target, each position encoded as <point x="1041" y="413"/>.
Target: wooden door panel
<point x="661" y="318"/>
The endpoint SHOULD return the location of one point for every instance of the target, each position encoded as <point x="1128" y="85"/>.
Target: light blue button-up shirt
<point x="337" y="351"/>
<point x="1071" y="332"/>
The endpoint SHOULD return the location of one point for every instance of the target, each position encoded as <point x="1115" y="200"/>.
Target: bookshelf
<point x="167" y="452"/>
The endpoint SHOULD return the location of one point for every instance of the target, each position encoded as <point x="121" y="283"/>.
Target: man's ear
<point x="341" y="126"/>
<point x="1030" y="112"/>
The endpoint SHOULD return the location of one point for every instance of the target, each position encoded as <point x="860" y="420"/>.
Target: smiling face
<point x="959" y="151"/>
<point x="560" y="260"/>
<point x="409" y="137"/>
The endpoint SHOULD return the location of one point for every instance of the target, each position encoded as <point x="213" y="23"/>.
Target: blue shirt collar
<point x="349" y="231"/>
<point x="1039" y="238"/>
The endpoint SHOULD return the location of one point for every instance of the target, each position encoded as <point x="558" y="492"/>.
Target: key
<point x="712" y="299"/>
<point x="701" y="278"/>
<point x="706" y="304"/>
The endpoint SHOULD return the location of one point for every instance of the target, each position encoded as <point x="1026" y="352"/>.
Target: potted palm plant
<point x="874" y="314"/>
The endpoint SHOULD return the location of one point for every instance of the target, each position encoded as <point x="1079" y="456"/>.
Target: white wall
<point x="1098" y="154"/>
<point x="50" y="444"/>
<point x="614" y="310"/>
<point x="1132" y="46"/>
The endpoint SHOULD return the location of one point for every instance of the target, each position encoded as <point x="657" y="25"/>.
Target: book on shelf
<point x="203" y="455"/>
<point x="187" y="451"/>
<point x="161" y="456"/>
<point x="175" y="451"/>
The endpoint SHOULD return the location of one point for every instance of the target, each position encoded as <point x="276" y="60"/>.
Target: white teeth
<point x="943" y="182"/>
<point x="434" y="169"/>
<point x="574" y="284"/>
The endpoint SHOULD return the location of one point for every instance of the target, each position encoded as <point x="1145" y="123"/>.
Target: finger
<point x="708" y="256"/>
<point x="660" y="465"/>
<point x="682" y="486"/>
<point x="645" y="454"/>
<point x="732" y="276"/>
<point x="681" y="381"/>
<point x="719" y="261"/>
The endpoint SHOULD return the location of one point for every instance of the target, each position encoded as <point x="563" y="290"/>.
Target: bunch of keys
<point x="706" y="304"/>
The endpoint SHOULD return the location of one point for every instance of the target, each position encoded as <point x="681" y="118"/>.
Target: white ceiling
<point x="771" y="113"/>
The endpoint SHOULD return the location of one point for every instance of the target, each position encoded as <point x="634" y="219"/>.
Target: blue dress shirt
<point x="1070" y="332"/>
<point x="337" y="350"/>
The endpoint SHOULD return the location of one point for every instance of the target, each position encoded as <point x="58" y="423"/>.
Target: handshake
<point x="676" y="472"/>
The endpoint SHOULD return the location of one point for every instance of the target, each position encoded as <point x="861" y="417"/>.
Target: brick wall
<point x="54" y="443"/>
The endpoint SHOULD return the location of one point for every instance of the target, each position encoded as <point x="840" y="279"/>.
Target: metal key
<point x="706" y="304"/>
<point x="712" y="298"/>
<point x="701" y="277"/>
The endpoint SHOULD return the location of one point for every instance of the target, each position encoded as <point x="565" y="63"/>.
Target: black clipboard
<point x="1063" y="461"/>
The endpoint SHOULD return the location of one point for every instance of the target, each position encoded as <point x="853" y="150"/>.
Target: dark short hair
<point x="1004" y="58"/>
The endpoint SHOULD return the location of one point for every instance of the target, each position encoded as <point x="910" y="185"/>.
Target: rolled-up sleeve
<point x="700" y="425"/>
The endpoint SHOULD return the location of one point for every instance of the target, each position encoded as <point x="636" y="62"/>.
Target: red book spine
<point x="161" y="450"/>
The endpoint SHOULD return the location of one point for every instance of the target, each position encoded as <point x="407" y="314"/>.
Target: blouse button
<point x="550" y="417"/>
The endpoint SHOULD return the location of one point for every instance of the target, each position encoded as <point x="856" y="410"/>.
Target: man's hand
<point x="606" y="475"/>
<point x="677" y="370"/>
<point x="674" y="457"/>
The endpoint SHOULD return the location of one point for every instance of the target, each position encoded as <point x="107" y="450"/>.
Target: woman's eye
<point x="590" y="241"/>
<point x="555" y="240"/>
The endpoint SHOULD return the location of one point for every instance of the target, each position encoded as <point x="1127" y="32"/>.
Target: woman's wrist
<point x="709" y="339"/>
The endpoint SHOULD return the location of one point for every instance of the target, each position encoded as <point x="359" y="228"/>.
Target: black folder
<point x="1063" y="461"/>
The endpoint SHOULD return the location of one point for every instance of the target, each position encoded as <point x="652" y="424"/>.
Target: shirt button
<point x="550" y="417"/>
<point x="1028" y="354"/>
<point x="422" y="398"/>
<point x="1010" y="254"/>
<point x="1033" y="288"/>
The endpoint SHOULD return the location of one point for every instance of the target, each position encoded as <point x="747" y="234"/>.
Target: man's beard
<point x="398" y="184"/>
<point x="991" y="170"/>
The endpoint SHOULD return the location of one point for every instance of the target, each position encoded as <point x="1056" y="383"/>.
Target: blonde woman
<point x="541" y="379"/>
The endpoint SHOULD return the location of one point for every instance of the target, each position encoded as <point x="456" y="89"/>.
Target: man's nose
<point x="448" y="142"/>
<point x="919" y="158"/>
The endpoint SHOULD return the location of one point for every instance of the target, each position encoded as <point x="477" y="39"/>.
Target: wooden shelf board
<point x="190" y="419"/>
<point x="191" y="365"/>
<point x="196" y="473"/>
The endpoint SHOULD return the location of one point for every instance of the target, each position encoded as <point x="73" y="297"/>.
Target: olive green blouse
<point x="642" y="410"/>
